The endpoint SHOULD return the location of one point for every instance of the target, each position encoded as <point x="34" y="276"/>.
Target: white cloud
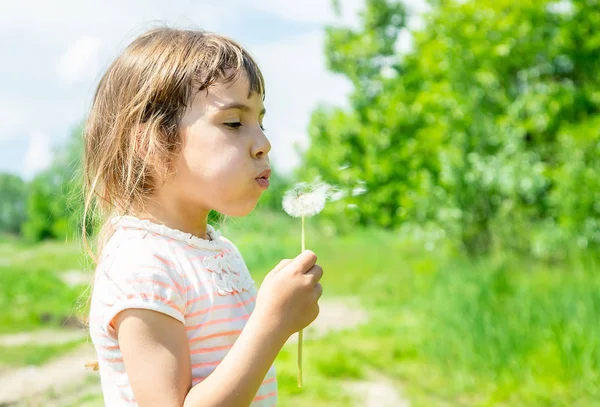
<point x="318" y="11"/>
<point x="81" y="61"/>
<point x="71" y="42"/>
<point x="12" y="117"/>
<point x="38" y="156"/>
<point x="297" y="81"/>
<point x="108" y="16"/>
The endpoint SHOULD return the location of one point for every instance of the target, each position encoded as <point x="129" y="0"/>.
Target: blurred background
<point x="461" y="267"/>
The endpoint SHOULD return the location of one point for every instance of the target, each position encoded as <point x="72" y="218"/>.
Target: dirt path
<point x="18" y="385"/>
<point x="45" y="337"/>
<point x="336" y="315"/>
<point x="377" y="391"/>
<point x="65" y="380"/>
<point x="346" y="313"/>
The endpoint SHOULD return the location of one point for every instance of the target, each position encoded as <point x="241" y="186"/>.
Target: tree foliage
<point x="13" y="195"/>
<point x="487" y="127"/>
<point x="55" y="200"/>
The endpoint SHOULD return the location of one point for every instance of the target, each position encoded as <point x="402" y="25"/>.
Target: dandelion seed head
<point x="306" y="199"/>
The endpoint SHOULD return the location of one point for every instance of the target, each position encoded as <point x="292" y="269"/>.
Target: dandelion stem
<point x="303" y="241"/>
<point x="301" y="333"/>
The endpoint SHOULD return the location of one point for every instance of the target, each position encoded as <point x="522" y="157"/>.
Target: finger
<point x="281" y="265"/>
<point x="305" y="261"/>
<point x="315" y="274"/>
<point x="318" y="290"/>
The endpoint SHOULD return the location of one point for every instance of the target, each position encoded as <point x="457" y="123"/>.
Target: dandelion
<point x="308" y="199"/>
<point x="302" y="201"/>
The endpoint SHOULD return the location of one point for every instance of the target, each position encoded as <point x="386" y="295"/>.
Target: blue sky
<point x="54" y="53"/>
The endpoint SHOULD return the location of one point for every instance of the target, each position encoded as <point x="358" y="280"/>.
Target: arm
<point x="156" y="352"/>
<point x="238" y="377"/>
<point x="156" y="356"/>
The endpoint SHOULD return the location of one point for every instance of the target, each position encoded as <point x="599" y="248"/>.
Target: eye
<point x="234" y="125"/>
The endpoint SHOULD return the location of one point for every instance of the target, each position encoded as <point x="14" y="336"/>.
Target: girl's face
<point x="224" y="163"/>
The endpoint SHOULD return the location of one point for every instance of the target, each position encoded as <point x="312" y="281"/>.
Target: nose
<point x="261" y="146"/>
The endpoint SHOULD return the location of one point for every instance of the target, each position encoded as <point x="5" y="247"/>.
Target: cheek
<point x="212" y="162"/>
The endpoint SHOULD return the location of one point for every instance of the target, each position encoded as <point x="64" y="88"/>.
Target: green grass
<point x="90" y="400"/>
<point x="32" y="295"/>
<point x="35" y="298"/>
<point x="57" y="256"/>
<point x="33" y="355"/>
<point x="324" y="369"/>
<point x="497" y="331"/>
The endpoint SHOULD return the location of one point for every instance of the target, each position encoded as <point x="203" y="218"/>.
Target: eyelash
<point x="237" y="125"/>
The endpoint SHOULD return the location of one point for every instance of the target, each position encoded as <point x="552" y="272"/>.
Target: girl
<point x="175" y="131"/>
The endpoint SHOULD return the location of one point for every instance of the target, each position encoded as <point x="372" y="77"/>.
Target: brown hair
<point x="131" y="135"/>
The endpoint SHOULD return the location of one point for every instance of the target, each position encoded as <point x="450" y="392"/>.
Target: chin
<point x="239" y="211"/>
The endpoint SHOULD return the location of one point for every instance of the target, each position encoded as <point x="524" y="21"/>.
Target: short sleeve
<point x="136" y="276"/>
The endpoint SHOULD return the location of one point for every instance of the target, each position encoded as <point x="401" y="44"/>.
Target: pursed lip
<point x="265" y="174"/>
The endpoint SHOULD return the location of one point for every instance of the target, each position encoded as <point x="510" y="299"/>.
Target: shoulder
<point x="137" y="270"/>
<point x="131" y="251"/>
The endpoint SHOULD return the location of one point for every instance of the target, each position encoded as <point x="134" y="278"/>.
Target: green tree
<point x="475" y="128"/>
<point x="13" y="195"/>
<point x="55" y="201"/>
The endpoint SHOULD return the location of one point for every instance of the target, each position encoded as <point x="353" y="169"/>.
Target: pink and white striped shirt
<point x="205" y="284"/>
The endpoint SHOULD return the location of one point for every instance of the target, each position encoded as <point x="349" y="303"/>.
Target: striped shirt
<point x="204" y="284"/>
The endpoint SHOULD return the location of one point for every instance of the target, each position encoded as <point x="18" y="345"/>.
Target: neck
<point x="177" y="215"/>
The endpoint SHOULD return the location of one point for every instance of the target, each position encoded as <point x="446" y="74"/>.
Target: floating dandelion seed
<point x="337" y="195"/>
<point x="359" y="189"/>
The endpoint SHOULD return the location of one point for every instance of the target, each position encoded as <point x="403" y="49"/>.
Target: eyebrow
<point x="240" y="106"/>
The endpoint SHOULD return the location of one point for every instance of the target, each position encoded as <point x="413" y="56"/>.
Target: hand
<point x="288" y="297"/>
